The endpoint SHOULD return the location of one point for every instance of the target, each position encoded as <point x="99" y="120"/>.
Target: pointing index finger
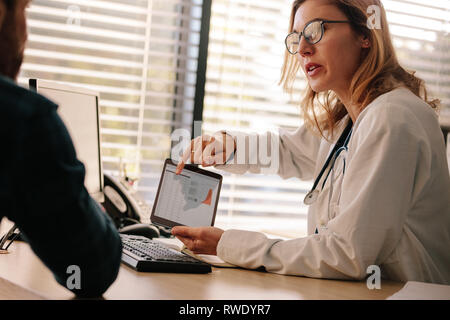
<point x="184" y="159"/>
<point x="180" y="167"/>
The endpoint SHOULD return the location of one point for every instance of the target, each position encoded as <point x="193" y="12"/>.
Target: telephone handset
<point x="125" y="207"/>
<point x="122" y="203"/>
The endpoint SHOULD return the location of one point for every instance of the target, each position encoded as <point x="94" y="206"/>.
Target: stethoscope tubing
<point x="340" y="146"/>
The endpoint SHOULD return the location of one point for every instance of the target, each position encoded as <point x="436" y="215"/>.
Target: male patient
<point x="42" y="182"/>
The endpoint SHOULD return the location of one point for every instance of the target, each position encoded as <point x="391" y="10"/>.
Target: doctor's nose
<point x="305" y="49"/>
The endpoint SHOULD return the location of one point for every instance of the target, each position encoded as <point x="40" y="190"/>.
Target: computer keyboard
<point x="143" y="254"/>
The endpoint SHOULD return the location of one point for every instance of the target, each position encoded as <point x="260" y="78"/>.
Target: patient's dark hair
<point x="9" y="3"/>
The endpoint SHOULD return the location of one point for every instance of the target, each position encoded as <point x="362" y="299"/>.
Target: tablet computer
<point x="188" y="199"/>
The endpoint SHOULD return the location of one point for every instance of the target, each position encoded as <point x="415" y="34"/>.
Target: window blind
<point x="140" y="55"/>
<point x="421" y="35"/>
<point x="245" y="56"/>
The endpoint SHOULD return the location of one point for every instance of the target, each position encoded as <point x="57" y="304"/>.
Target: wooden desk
<point x="22" y="267"/>
<point x="11" y="291"/>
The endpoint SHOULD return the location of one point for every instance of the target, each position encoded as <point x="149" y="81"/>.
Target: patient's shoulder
<point x="18" y="102"/>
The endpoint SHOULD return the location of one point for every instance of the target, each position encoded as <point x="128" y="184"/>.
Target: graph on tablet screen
<point x="188" y="198"/>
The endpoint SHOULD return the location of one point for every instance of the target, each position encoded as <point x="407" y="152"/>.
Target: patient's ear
<point x="2" y="13"/>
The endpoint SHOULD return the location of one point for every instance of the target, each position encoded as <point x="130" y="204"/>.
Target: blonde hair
<point x="378" y="73"/>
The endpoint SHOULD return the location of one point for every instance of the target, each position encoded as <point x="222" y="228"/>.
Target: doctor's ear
<point x="365" y="42"/>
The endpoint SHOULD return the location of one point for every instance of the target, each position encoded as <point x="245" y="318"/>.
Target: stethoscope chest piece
<point x="311" y="197"/>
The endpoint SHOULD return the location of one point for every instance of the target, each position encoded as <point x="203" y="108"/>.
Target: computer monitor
<point x="79" y="110"/>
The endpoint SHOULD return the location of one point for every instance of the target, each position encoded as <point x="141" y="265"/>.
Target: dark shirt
<point x="42" y="191"/>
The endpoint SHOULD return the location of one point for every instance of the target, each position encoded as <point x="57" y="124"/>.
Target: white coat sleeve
<point x="377" y="192"/>
<point x="286" y="153"/>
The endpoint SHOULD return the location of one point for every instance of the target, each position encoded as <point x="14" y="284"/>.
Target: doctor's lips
<point x="313" y="68"/>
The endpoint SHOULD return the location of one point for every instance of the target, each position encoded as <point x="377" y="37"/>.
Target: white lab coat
<point x="390" y="209"/>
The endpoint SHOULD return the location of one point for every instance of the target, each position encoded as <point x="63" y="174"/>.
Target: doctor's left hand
<point x="201" y="240"/>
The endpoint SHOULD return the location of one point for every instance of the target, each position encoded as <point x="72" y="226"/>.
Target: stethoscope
<point x="341" y="145"/>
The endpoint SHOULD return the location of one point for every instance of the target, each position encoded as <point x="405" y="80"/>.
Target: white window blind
<point x="421" y="35"/>
<point x="140" y="55"/>
<point x="246" y="49"/>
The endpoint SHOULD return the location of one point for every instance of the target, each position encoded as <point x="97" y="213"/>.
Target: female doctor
<point x="371" y="141"/>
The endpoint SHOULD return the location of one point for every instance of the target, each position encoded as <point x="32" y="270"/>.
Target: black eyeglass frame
<point x="322" y="22"/>
<point x="11" y="235"/>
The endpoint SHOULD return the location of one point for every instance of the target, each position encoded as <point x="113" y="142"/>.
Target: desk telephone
<point x="125" y="207"/>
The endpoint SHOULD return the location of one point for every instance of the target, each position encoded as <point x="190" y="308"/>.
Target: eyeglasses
<point x="11" y="236"/>
<point x="313" y="33"/>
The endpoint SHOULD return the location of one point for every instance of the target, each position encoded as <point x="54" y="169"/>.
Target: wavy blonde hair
<point x="379" y="71"/>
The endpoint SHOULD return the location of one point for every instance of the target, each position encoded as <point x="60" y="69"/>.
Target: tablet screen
<point x="189" y="198"/>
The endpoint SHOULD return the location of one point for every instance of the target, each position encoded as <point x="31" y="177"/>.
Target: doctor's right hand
<point x="208" y="150"/>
